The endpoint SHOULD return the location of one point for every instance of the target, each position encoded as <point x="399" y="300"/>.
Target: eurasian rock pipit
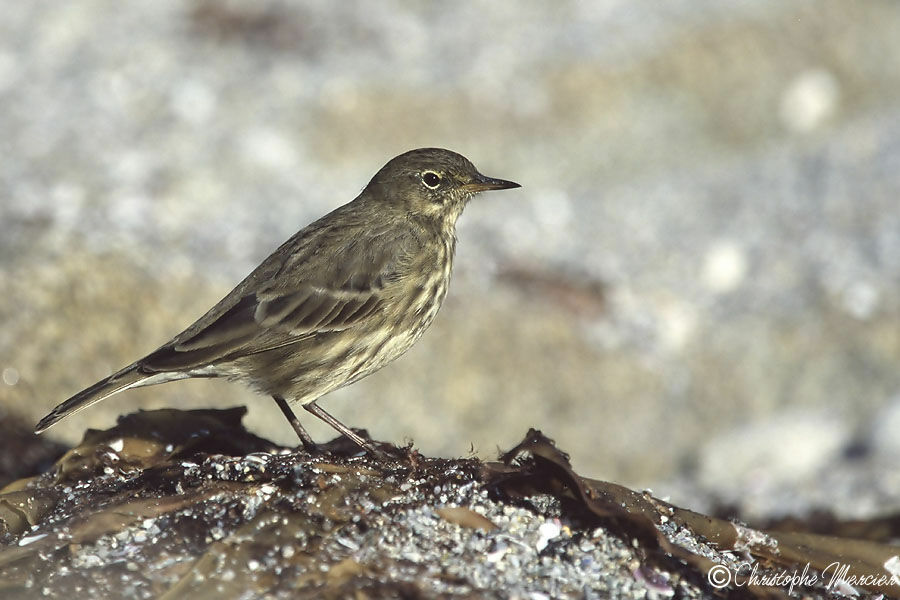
<point x="339" y="300"/>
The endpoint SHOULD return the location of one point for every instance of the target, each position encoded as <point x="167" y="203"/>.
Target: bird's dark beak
<point x="480" y="183"/>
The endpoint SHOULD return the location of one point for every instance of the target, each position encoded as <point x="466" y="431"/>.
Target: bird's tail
<point x="130" y="376"/>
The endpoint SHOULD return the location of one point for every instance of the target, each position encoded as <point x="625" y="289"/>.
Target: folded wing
<point x="286" y="302"/>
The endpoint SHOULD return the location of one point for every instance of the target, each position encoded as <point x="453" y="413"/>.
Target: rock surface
<point x="173" y="504"/>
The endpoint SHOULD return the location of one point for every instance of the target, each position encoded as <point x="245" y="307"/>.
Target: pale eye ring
<point x="431" y="179"/>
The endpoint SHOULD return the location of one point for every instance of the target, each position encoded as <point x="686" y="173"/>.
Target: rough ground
<point x="173" y="504"/>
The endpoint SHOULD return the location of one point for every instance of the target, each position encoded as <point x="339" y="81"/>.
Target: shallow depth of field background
<point x="698" y="281"/>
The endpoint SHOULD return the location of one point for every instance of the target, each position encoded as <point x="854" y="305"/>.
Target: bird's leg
<point x="305" y="438"/>
<point x="358" y="439"/>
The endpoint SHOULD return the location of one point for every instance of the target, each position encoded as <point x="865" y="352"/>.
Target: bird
<point x="337" y="301"/>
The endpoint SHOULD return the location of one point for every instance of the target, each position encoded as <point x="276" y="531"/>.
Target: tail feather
<point x="128" y="377"/>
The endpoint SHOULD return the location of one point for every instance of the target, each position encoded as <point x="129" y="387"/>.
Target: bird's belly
<point x="330" y="360"/>
<point x="383" y="350"/>
<point x="382" y="344"/>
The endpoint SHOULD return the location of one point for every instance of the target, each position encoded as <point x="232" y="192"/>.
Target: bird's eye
<point x="431" y="179"/>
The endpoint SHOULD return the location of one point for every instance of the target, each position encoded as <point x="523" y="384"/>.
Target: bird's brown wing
<point x="305" y="293"/>
<point x="293" y="314"/>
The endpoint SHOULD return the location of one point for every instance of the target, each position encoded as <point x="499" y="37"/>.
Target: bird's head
<point x="432" y="184"/>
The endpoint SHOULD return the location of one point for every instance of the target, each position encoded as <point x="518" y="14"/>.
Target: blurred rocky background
<point x="696" y="289"/>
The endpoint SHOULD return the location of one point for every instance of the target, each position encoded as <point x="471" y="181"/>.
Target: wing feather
<point x="297" y="292"/>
